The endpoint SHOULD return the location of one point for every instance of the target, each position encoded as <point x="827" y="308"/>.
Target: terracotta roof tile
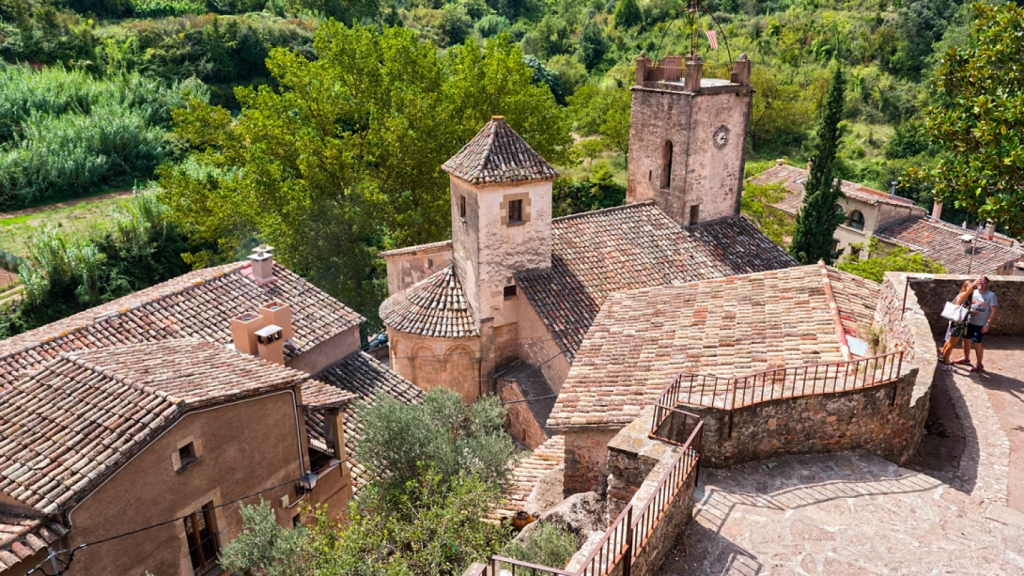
<point x="68" y="425"/>
<point x="793" y="178"/>
<point x="22" y="537"/>
<point x="597" y="253"/>
<point x="436" y="306"/>
<point x="318" y="395"/>
<point x="498" y="154"/>
<point x="941" y="242"/>
<point x="199" y="305"/>
<point x="366" y="378"/>
<point x="432" y="248"/>
<point x="726" y="327"/>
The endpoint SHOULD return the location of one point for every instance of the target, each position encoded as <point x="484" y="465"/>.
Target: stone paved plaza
<point x="854" y="513"/>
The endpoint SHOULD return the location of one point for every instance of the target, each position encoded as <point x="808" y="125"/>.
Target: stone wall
<point x="931" y="292"/>
<point x="866" y="419"/>
<point x="428" y="362"/>
<point x="409" y="266"/>
<point x="519" y="422"/>
<point x="586" y="459"/>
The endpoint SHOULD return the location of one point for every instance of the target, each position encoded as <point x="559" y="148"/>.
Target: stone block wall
<point x="933" y="291"/>
<point x="520" y="422"/>
<point x="586" y="459"/>
<point x="866" y="419"/>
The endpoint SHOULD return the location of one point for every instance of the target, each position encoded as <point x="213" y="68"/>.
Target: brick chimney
<point x="262" y="264"/>
<point x="243" y="332"/>
<point x="270" y="343"/>
<point x="937" y="210"/>
<point x="279" y="314"/>
<point x="990" y="230"/>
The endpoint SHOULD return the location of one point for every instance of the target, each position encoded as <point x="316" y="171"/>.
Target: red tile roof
<point x="65" y="427"/>
<point x="436" y="307"/>
<point x="432" y="248"/>
<point x="497" y="154"/>
<point x="597" y="253"/>
<point x="22" y="537"/>
<point x="199" y="305"/>
<point x="725" y="327"/>
<point x="359" y="374"/>
<point x="942" y="242"/>
<point x="793" y="178"/>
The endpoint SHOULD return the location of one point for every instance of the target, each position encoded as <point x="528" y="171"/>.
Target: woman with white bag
<point x="958" y="313"/>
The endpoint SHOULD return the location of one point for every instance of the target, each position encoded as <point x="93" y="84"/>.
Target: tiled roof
<point x="199" y="305"/>
<point x="605" y="251"/>
<point x="725" y="327"/>
<point x="497" y="154"/>
<point x="942" y="242"/>
<point x="436" y="306"/>
<point x="317" y="395"/>
<point x="432" y="248"/>
<point x="528" y="472"/>
<point x="66" y="426"/>
<point x="21" y="537"/>
<point x="793" y="178"/>
<point x="367" y="378"/>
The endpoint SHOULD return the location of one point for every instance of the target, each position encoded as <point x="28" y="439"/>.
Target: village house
<point x="896" y="221"/>
<point x="167" y="410"/>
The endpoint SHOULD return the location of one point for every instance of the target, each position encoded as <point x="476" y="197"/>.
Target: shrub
<point x="549" y="544"/>
<point x="492" y="25"/>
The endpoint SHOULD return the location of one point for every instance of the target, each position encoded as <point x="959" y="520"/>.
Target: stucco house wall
<point x="316" y="359"/>
<point x="408" y="267"/>
<point x="243" y="447"/>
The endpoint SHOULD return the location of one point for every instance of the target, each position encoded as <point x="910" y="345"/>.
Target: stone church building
<point x="512" y="295"/>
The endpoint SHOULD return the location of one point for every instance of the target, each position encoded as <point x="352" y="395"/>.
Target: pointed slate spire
<point x="497" y="154"/>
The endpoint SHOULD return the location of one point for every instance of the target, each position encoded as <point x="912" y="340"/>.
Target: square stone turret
<point x="687" y="138"/>
<point x="501" y="217"/>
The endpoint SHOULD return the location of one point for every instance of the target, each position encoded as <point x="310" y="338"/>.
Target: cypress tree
<point x="819" y="216"/>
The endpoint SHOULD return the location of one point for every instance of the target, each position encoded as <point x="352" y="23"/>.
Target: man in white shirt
<point x="984" y="306"/>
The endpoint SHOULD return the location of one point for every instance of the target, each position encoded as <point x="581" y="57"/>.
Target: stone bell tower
<point x="501" y="217"/>
<point x="687" y="138"/>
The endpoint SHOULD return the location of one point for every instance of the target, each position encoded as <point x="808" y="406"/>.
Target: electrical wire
<point x="71" y="551"/>
<point x="517" y="345"/>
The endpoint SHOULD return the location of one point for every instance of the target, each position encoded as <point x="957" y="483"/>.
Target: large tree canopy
<point x="979" y="117"/>
<point x="343" y="159"/>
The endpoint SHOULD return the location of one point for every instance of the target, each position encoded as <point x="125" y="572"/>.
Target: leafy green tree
<point x="979" y="118"/>
<point x="455" y="24"/>
<point x="593" y="44"/>
<point x="879" y="261"/>
<point x="492" y="25"/>
<point x="575" y="196"/>
<point x="627" y="14"/>
<point x="603" y="110"/>
<point x="542" y="75"/>
<point x="441" y="433"/>
<point x="908" y="140"/>
<point x="820" y="215"/>
<point x="570" y="72"/>
<point x="343" y="158"/>
<point x="264" y="548"/>
<point x="756" y="204"/>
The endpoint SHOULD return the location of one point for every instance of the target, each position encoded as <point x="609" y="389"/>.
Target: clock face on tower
<point x="721" y="137"/>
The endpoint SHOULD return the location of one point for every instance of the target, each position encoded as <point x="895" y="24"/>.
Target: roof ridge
<point x="603" y="210"/>
<point x="495" y="125"/>
<point x="833" y="306"/>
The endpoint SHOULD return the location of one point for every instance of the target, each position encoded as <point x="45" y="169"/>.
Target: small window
<point x="666" y="165"/>
<point x="856" y="220"/>
<point x="462" y="206"/>
<point x="510" y="292"/>
<point x="515" y="211"/>
<point x="187" y="455"/>
<point x="296" y="520"/>
<point x="694" y="214"/>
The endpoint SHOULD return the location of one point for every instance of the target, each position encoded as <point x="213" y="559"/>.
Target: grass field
<point x="79" y="218"/>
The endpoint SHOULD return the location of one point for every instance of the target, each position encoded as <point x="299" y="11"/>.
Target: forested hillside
<point x="319" y="125"/>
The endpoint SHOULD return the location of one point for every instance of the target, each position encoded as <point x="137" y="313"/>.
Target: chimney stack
<point x="279" y="314"/>
<point x="270" y="344"/>
<point x="937" y="210"/>
<point x="262" y="264"/>
<point x="990" y="230"/>
<point x="243" y="332"/>
<point x="694" y="72"/>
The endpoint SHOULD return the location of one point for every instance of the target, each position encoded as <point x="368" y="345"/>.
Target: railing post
<point x="627" y="556"/>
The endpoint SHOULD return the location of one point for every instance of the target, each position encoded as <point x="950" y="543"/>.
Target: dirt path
<point x="65" y="204"/>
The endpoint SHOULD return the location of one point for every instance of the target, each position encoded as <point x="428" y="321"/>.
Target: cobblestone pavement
<point x="839" y="514"/>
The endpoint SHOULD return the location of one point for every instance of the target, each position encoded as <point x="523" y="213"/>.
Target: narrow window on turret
<point x="462" y="206"/>
<point x="666" y="165"/>
<point x="694" y="214"/>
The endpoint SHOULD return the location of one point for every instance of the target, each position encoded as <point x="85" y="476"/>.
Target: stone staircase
<point x="530" y="470"/>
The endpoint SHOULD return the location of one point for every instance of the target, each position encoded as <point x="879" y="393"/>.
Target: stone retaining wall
<point x="865" y="419"/>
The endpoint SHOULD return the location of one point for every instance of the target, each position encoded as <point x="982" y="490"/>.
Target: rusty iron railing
<point x="627" y="536"/>
<point x="730" y="393"/>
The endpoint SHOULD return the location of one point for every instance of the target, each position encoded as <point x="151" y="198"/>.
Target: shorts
<point x="956" y="330"/>
<point x="974" y="332"/>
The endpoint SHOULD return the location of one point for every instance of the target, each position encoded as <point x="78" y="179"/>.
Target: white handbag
<point x="955" y="312"/>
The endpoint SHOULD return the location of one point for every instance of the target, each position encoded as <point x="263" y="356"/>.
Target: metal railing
<point x="729" y="393"/>
<point x="627" y="536"/>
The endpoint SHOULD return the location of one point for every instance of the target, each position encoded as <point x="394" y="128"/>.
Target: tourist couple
<point x="981" y="305"/>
